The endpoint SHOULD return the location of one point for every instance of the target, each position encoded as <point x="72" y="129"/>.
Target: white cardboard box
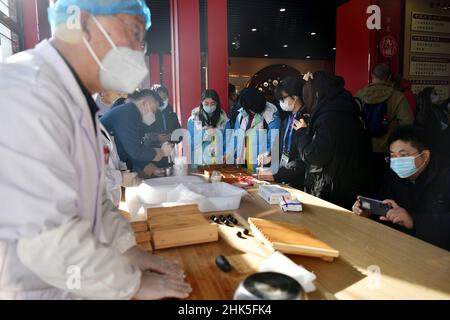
<point x="292" y="204"/>
<point x="273" y="194"/>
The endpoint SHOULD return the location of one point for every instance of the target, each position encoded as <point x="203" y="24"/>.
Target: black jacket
<point x="295" y="177"/>
<point x="166" y="122"/>
<point x="336" y="149"/>
<point x="434" y="120"/>
<point x="427" y="201"/>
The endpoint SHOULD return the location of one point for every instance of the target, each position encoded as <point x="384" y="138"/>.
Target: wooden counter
<point x="408" y="268"/>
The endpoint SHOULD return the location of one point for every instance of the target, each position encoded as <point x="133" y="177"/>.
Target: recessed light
<point x="308" y="57"/>
<point x="285" y="46"/>
<point x="254" y="29"/>
<point x="334" y="48"/>
<point x="313" y="33"/>
<point x="266" y="55"/>
<point x="282" y="10"/>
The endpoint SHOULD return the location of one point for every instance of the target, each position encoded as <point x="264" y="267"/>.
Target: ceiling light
<point x="285" y="46"/>
<point x="254" y="29"/>
<point x="313" y="33"/>
<point x="308" y="57"/>
<point x="282" y="10"/>
<point x="266" y="55"/>
<point x="334" y="48"/>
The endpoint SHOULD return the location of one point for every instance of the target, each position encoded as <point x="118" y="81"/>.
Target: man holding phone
<point x="416" y="189"/>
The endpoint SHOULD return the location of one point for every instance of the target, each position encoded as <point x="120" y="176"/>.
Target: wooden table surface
<point x="376" y="262"/>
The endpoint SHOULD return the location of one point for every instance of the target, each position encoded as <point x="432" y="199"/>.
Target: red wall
<point x="185" y="27"/>
<point x="218" y="49"/>
<point x="30" y="24"/>
<point x="358" y="48"/>
<point x="352" y="44"/>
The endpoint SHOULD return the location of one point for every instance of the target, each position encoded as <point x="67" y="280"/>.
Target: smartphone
<point x="374" y="206"/>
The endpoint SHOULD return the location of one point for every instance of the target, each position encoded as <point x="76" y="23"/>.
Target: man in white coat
<point x="59" y="236"/>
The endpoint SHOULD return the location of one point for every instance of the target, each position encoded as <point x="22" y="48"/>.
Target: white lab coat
<point x="116" y="173"/>
<point x="114" y="168"/>
<point x="55" y="222"/>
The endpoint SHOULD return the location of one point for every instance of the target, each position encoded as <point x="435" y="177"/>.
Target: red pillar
<point x="154" y="69"/>
<point x="353" y="44"/>
<point x="185" y="28"/>
<point x="167" y="75"/>
<point x="30" y="24"/>
<point x="218" y="49"/>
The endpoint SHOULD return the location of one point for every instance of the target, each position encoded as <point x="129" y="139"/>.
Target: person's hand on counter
<point x="147" y="262"/>
<point x="155" y="286"/>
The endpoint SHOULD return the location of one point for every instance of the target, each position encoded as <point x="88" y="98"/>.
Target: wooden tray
<point x="291" y="239"/>
<point x="179" y="226"/>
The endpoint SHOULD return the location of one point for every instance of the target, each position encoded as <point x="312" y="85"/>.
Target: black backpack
<point x="375" y="118"/>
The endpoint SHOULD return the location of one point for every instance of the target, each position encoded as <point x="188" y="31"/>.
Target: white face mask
<point x="209" y="109"/>
<point x="434" y="98"/>
<point x="122" y="69"/>
<point x="149" y="118"/>
<point x="164" y="105"/>
<point x="285" y="106"/>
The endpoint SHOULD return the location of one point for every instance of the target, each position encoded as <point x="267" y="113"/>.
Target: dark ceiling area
<point x="297" y="29"/>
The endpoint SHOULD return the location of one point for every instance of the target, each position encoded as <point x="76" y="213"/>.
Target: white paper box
<point x="273" y="194"/>
<point x="292" y="204"/>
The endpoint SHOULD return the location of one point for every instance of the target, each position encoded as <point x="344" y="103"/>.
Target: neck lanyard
<point x="164" y="121"/>
<point x="290" y="125"/>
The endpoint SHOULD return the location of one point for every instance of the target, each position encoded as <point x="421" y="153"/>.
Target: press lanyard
<point x="164" y="121"/>
<point x="289" y="126"/>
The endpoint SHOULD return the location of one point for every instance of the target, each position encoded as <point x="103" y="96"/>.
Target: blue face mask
<point x="404" y="167"/>
<point x="209" y="109"/>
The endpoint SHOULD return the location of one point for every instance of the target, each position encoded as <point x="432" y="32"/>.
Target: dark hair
<point x="158" y="88"/>
<point x="120" y="101"/>
<point x="382" y="71"/>
<point x="253" y="100"/>
<point x="340" y="81"/>
<point x="292" y="86"/>
<point x="411" y="134"/>
<point x="144" y="94"/>
<point x="231" y="88"/>
<point x="210" y="120"/>
<point x="318" y="88"/>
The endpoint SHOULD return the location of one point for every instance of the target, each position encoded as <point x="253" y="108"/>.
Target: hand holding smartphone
<point x="373" y="206"/>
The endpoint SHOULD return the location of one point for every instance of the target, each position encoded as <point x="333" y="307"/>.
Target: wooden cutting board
<point x="179" y="226"/>
<point x="291" y="239"/>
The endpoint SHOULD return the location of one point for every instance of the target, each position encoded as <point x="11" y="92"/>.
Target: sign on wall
<point x="441" y="87"/>
<point x="429" y="66"/>
<point x="430" y="44"/>
<point x="426" y="22"/>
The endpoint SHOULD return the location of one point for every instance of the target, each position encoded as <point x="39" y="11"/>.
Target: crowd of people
<point x="384" y="143"/>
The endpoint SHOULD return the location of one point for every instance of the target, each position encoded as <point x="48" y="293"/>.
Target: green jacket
<point x="398" y="110"/>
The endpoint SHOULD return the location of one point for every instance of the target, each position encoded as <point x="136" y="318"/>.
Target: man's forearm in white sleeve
<point x="103" y="272"/>
<point x="115" y="229"/>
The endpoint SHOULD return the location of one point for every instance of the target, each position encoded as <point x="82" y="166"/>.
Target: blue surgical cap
<point x="63" y="10"/>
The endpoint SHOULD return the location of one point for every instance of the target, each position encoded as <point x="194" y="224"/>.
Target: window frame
<point x="15" y="27"/>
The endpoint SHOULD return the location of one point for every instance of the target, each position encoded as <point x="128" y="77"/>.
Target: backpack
<point x="375" y="118"/>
